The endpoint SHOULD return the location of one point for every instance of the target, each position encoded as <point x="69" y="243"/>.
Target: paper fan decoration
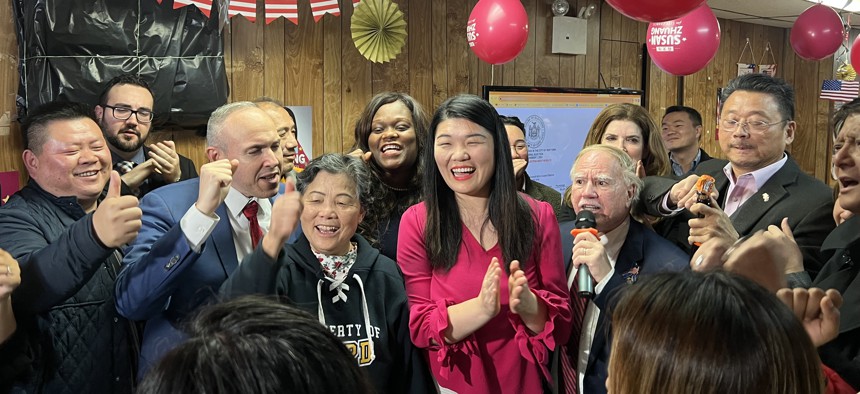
<point x="378" y="30"/>
<point x="846" y="73"/>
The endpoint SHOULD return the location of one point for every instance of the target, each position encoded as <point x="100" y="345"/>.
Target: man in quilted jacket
<point x="66" y="234"/>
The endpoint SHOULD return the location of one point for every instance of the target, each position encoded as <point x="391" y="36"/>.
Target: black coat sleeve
<point x="52" y="270"/>
<point x="255" y="275"/>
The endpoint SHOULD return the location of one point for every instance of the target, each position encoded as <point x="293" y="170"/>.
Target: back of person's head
<point x="34" y="126"/>
<point x="256" y="345"/>
<point x="123" y="79"/>
<point x="707" y="333"/>
<point x="777" y="88"/>
<point x="695" y="116"/>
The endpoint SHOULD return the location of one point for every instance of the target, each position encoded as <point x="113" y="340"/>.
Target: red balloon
<point x="855" y="54"/>
<point x="498" y="30"/>
<point x="684" y="45"/>
<point x="817" y="33"/>
<point x="655" y="10"/>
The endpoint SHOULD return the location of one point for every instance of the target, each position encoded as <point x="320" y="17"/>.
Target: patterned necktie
<point x="123" y="167"/>
<point x="250" y="212"/>
<point x="570" y="351"/>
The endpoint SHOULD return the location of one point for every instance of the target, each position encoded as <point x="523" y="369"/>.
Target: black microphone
<point x="584" y="223"/>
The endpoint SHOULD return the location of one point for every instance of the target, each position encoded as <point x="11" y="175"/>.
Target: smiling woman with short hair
<point x="333" y="272"/>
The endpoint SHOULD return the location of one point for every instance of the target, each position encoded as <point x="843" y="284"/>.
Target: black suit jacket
<point x="186" y="166"/>
<point x="840" y="273"/>
<point x="805" y="201"/>
<point x="643" y="248"/>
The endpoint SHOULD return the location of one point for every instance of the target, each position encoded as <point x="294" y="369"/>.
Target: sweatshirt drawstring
<point x="320" y="314"/>
<point x="366" y="316"/>
<point x="341" y="288"/>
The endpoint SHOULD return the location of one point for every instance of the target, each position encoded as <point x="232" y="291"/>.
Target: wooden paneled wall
<point x="316" y="64"/>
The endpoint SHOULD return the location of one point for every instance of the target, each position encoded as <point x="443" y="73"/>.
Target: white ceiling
<point x="780" y="13"/>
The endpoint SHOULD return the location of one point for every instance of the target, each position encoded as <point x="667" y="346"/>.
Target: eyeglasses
<point x="520" y="147"/>
<point x="123" y="113"/>
<point x="758" y="126"/>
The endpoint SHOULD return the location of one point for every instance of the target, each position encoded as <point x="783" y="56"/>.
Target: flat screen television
<point x="557" y="121"/>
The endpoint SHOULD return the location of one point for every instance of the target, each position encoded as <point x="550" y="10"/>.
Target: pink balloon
<point x="684" y="45"/>
<point x="655" y="10"/>
<point x="817" y="33"/>
<point x="498" y="30"/>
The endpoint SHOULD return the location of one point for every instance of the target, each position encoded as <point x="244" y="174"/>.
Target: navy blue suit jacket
<point x="163" y="280"/>
<point x="653" y="254"/>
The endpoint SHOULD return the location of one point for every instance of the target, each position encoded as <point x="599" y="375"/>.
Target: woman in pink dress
<point x="482" y="263"/>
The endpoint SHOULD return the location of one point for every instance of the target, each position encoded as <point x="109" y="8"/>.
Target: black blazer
<point x="840" y="273"/>
<point x="805" y="201"/>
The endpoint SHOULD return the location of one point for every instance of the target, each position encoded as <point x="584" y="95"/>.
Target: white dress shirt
<point x="614" y="240"/>
<point x="197" y="226"/>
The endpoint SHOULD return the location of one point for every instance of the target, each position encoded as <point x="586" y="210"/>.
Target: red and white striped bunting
<point x="246" y="8"/>
<point x="274" y="8"/>
<point x="321" y="7"/>
<point x="287" y="8"/>
<point x="205" y="6"/>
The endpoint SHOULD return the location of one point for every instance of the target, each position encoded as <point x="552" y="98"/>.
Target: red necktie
<point x="570" y="351"/>
<point x="250" y="212"/>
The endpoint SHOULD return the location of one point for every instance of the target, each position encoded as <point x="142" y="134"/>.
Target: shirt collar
<point x="615" y="239"/>
<point x="236" y="202"/>
<point x="676" y="167"/>
<point x="760" y="176"/>
<point x="69" y="204"/>
<point x="138" y="157"/>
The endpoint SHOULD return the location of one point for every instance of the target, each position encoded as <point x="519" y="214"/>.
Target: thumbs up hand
<point x="286" y="212"/>
<point x="116" y="221"/>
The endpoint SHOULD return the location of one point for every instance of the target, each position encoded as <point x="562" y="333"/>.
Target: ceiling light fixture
<point x="560" y="7"/>
<point x="845" y="5"/>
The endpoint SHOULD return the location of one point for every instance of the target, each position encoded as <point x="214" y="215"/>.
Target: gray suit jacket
<point x="541" y="192"/>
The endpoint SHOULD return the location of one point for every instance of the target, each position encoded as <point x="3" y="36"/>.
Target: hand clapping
<point x="165" y="160"/>
<point x="489" y="295"/>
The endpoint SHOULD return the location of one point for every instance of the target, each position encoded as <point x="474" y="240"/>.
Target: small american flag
<point x="838" y="90"/>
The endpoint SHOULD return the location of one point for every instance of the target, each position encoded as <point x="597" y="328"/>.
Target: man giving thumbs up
<point x="64" y="237"/>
